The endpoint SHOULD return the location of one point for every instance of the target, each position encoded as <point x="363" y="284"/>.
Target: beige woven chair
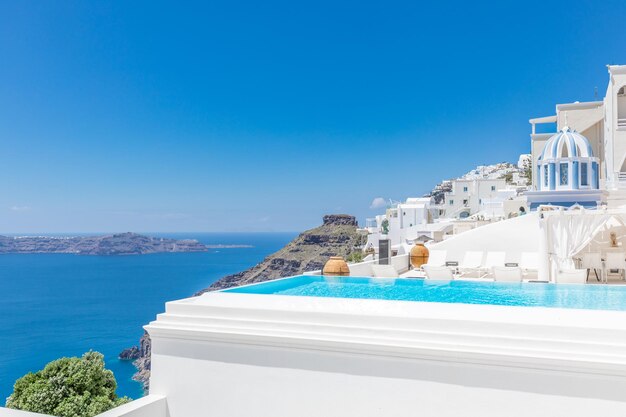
<point x="593" y="261"/>
<point x="615" y="260"/>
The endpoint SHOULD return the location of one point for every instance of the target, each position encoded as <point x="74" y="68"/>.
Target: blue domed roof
<point x="575" y="144"/>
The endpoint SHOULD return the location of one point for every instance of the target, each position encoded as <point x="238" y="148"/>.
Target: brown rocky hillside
<point x="308" y="252"/>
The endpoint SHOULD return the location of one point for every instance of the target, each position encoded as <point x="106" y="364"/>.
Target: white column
<point x="543" y="267"/>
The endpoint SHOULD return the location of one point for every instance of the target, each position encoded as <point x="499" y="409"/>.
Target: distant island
<point x="116" y="244"/>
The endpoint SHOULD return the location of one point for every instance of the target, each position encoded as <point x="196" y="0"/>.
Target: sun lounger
<point x="571" y="276"/>
<point x="437" y="258"/>
<point x="494" y="259"/>
<point x="472" y="263"/>
<point x="384" y="271"/>
<point x="507" y="273"/>
<point x="529" y="262"/>
<point x="472" y="260"/>
<point x="438" y="272"/>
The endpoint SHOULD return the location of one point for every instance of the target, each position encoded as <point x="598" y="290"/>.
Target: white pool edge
<point x="569" y="340"/>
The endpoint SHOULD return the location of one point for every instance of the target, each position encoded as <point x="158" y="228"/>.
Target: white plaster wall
<point x="595" y="135"/>
<point x="512" y="206"/>
<point x="234" y="380"/>
<point x="372" y="240"/>
<point x="148" y="406"/>
<point x="457" y="196"/>
<point x="580" y="116"/>
<point x="364" y="269"/>
<point x="400" y="262"/>
<point x="619" y="133"/>
<point x="513" y="236"/>
<point x="537" y="145"/>
<point x="477" y="190"/>
<point x="224" y="354"/>
<point x="617" y="138"/>
<point x="619" y="148"/>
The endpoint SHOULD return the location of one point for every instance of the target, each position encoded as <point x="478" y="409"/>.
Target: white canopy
<point x="568" y="232"/>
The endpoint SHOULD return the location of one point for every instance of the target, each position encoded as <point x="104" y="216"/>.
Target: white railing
<point x="371" y="223"/>
<point x="621" y="123"/>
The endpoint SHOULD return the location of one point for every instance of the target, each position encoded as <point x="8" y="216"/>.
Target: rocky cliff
<point x="337" y="236"/>
<point x="117" y="244"/>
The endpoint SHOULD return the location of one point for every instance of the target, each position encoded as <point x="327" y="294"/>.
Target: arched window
<point x="584" y="174"/>
<point x="621" y="108"/>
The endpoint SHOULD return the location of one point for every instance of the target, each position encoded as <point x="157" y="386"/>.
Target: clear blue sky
<point x="263" y="116"/>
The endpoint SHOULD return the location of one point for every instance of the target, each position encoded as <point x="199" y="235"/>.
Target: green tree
<point x="385" y="226"/>
<point x="68" y="387"/>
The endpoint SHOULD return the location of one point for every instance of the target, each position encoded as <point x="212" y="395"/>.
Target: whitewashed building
<point x="584" y="162"/>
<point x="482" y="192"/>
<point x="467" y="195"/>
<point x="405" y="221"/>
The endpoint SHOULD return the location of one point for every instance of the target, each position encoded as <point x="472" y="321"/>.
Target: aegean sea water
<point x="64" y="305"/>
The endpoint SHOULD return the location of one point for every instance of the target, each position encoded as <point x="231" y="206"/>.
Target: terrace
<point x="333" y="356"/>
<point x="335" y="346"/>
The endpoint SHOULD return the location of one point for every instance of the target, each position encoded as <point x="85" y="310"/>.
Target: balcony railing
<point x="369" y="223"/>
<point x="621" y="123"/>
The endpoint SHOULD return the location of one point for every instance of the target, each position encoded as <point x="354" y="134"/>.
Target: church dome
<point x="566" y="143"/>
<point x="567" y="163"/>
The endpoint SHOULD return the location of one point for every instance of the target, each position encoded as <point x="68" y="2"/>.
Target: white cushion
<point x="384" y="271"/>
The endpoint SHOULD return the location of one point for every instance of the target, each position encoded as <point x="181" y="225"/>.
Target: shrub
<point x="68" y="387"/>
<point x="355" y="257"/>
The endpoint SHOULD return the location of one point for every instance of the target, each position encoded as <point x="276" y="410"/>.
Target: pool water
<point x="590" y="297"/>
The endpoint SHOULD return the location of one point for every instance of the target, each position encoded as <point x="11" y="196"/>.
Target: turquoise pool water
<point x="591" y="297"/>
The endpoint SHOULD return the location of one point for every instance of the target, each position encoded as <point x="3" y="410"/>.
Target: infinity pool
<point x="590" y="297"/>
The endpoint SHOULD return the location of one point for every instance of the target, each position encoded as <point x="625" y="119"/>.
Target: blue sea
<point x="64" y="305"/>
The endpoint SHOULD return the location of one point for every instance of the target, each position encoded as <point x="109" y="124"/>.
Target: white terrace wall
<point x="234" y="355"/>
<point x="364" y="269"/>
<point x="149" y="406"/>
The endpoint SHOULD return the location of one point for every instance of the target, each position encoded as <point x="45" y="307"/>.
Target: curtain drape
<point x="569" y="233"/>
